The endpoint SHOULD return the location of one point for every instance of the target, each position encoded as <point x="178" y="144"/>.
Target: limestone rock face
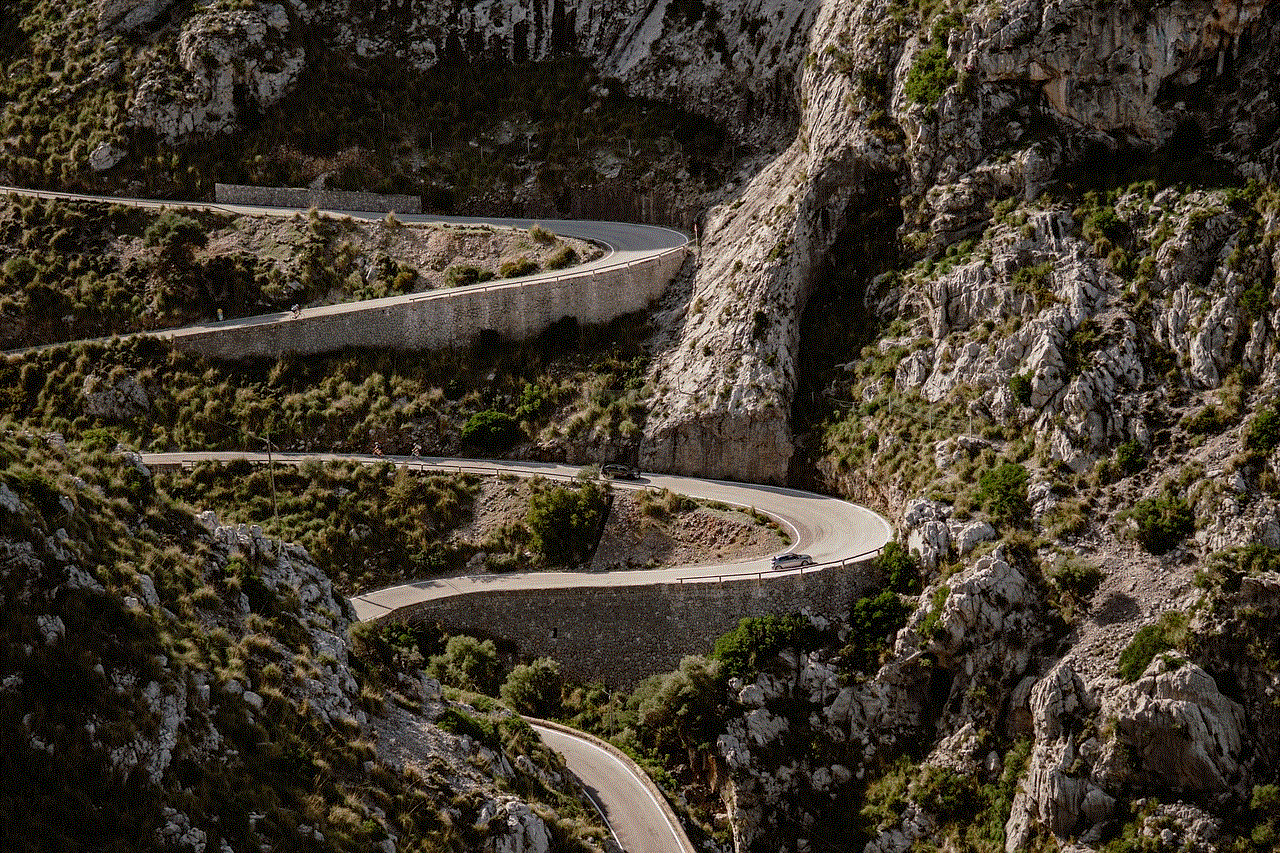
<point x="125" y="15"/>
<point x="1186" y="735"/>
<point x="222" y="56"/>
<point x="121" y="400"/>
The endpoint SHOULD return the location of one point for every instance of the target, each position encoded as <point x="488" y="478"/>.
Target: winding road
<point x="833" y="531"/>
<point x="623" y="243"/>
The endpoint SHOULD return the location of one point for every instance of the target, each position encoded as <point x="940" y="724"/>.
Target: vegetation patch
<point x="1160" y="523"/>
<point x="1167" y="634"/>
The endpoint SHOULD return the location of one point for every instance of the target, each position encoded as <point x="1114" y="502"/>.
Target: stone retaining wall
<point x="620" y="635"/>
<point x="446" y="318"/>
<point x="324" y="199"/>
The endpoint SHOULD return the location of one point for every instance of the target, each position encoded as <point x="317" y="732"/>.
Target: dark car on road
<point x="619" y="471"/>
<point x="791" y="561"/>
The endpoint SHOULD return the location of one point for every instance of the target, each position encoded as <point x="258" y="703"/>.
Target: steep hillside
<point x="170" y="683"/>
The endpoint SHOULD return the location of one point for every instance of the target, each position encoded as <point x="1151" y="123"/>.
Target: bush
<point x="756" y="639"/>
<point x="1263" y="433"/>
<point x="1162" y="522"/>
<point x="491" y="430"/>
<point x="899" y="569"/>
<point x="542" y="235"/>
<point x="945" y="793"/>
<point x="1151" y="640"/>
<point x="871" y="621"/>
<point x="465" y="274"/>
<point x="564" y="522"/>
<point x="174" y="232"/>
<point x="679" y="710"/>
<point x="930" y="76"/>
<point x="1131" y="457"/>
<point x="534" y="688"/>
<point x="563" y="257"/>
<point x="520" y="266"/>
<point x="1077" y="578"/>
<point x="98" y="439"/>
<point x="1208" y="421"/>
<point x="1002" y="492"/>
<point x="1020" y="387"/>
<point x="468" y="664"/>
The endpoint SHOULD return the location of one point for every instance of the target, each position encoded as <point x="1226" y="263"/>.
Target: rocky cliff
<point x="170" y="683"/>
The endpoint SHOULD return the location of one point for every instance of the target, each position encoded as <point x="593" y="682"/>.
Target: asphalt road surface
<point x="630" y="808"/>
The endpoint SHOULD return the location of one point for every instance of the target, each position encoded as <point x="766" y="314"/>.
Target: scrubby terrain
<point x="173" y="683"/>
<point x="1005" y="272"/>
<point x="73" y="270"/>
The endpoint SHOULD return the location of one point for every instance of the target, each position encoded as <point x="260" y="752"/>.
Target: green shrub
<point x="1131" y="457"/>
<point x="1020" y="387"/>
<point x="945" y="793"/>
<point x="174" y="232"/>
<point x="1162" y="522"/>
<point x="1150" y="640"/>
<point x="534" y="688"/>
<point x="458" y="722"/>
<point x="899" y="568"/>
<point x="563" y="257"/>
<point x="491" y="430"/>
<point x="680" y="710"/>
<point x="1255" y="299"/>
<point x="1208" y="421"/>
<point x="520" y="266"/>
<point x="1077" y="578"/>
<point x="930" y="76"/>
<point x="871" y="620"/>
<point x="564" y="522"/>
<point x="462" y="275"/>
<point x="1263" y="432"/>
<point x="1002" y="492"/>
<point x="756" y="639"/>
<point x="468" y="664"/>
<point x="930" y="625"/>
<point x="98" y="439"/>
<point x="19" y="272"/>
<point x="541" y="235"/>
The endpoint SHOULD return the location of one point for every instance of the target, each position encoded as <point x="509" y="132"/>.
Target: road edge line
<point x="673" y="821"/>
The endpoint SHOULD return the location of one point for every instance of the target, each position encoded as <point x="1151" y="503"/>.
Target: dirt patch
<point x="429" y="250"/>
<point x="641" y="532"/>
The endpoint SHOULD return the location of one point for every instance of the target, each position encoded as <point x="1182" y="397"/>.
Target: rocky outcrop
<point x="226" y="61"/>
<point x="119" y="400"/>
<point x="177" y="656"/>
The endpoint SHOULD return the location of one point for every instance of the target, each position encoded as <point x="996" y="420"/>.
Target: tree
<point x="756" y="639"/>
<point x="491" y="430"/>
<point x="564" y="522"/>
<point x="468" y="664"/>
<point x="680" y="710"/>
<point x="534" y="688"/>
<point x="899" y="569"/>
<point x="1002" y="491"/>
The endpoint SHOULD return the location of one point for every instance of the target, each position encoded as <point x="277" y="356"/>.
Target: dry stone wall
<point x="446" y="318"/>
<point x="619" y="635"/>
<point x="323" y="199"/>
